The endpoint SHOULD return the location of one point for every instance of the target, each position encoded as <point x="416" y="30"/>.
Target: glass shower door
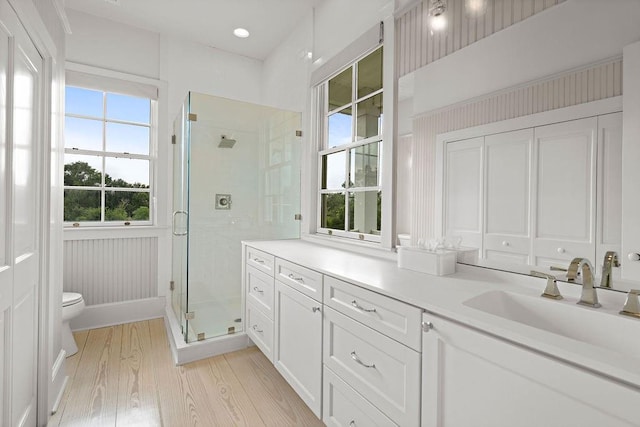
<point x="179" y="220"/>
<point x="243" y="184"/>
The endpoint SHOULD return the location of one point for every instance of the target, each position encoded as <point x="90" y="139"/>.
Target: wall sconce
<point x="437" y="19"/>
<point x="475" y="8"/>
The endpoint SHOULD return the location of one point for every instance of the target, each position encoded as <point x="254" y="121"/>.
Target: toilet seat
<point x="70" y="298"/>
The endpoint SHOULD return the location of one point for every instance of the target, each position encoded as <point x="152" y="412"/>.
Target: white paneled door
<point x="20" y="83"/>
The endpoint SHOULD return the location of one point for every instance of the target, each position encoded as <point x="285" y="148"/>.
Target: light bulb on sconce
<point x="475" y="8"/>
<point x="437" y="18"/>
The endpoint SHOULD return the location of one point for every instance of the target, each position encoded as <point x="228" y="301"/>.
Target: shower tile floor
<point x="215" y="318"/>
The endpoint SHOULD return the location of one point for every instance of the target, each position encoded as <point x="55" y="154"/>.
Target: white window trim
<point x="388" y="167"/>
<point x="91" y="78"/>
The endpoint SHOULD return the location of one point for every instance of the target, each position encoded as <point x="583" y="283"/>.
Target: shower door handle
<point x="173" y="223"/>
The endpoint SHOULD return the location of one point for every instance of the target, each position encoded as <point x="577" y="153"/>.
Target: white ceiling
<point x="210" y="22"/>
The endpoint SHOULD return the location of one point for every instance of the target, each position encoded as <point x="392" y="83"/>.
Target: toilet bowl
<point x="72" y="305"/>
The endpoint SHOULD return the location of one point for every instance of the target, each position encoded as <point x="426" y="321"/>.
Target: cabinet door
<point x="260" y="330"/>
<point x="473" y="379"/>
<point x="463" y="191"/>
<point x="507" y="193"/>
<point x="609" y="194"/>
<point x="298" y="344"/>
<point x="382" y="370"/>
<point x="564" y="210"/>
<point x="259" y="290"/>
<point x="345" y="407"/>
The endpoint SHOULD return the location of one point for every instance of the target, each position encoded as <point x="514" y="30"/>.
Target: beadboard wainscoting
<point x="117" y="277"/>
<point x="111" y="270"/>
<point x="592" y="83"/>
<point x="419" y="47"/>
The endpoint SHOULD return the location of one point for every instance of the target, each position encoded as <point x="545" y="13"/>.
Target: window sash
<point x="136" y="90"/>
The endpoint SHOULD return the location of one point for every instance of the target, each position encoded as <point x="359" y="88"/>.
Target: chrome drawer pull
<point x="355" y="357"/>
<point x="255" y="328"/>
<point x="359" y="307"/>
<point x="297" y="279"/>
<point x="315" y="309"/>
<point x="258" y="260"/>
<point x="255" y="288"/>
<point x="352" y="423"/>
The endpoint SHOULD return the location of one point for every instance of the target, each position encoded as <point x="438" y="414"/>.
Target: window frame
<point x="323" y="114"/>
<point x="105" y="85"/>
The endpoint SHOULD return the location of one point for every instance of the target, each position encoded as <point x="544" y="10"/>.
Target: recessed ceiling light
<point x="241" y="32"/>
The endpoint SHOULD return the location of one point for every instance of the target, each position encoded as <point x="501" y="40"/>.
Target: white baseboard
<point x="190" y="352"/>
<point x="59" y="380"/>
<point x="102" y="315"/>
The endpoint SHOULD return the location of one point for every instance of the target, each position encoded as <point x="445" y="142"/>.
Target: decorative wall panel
<point x="594" y="83"/>
<point x="111" y="270"/>
<point x="417" y="47"/>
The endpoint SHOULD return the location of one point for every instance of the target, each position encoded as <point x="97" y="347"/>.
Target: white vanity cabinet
<point x="470" y="378"/>
<point x="298" y="331"/>
<point x="259" y="290"/>
<point x="371" y="353"/>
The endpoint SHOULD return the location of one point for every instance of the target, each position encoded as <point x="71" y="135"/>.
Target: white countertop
<point x="445" y="296"/>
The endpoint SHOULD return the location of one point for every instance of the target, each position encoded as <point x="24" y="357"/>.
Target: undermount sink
<point x="602" y="329"/>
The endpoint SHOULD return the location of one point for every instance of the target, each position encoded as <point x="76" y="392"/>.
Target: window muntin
<point x="108" y="164"/>
<point x="350" y="192"/>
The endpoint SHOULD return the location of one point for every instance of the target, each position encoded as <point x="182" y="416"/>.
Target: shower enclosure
<point x="236" y="176"/>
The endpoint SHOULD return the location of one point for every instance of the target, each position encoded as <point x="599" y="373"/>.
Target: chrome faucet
<point x="632" y="304"/>
<point x="589" y="296"/>
<point x="610" y="261"/>
<point x="551" y="290"/>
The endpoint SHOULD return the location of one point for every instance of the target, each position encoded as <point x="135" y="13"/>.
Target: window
<point x="350" y="194"/>
<point x="108" y="162"/>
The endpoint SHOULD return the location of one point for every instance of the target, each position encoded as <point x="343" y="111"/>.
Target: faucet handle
<point x="632" y="305"/>
<point x="551" y="290"/>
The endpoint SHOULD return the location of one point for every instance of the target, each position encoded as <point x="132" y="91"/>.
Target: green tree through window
<point x="84" y="205"/>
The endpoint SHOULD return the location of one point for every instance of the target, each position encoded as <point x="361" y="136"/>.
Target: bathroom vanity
<point x="366" y="343"/>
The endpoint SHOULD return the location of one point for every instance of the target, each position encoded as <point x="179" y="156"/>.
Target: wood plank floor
<point x="124" y="376"/>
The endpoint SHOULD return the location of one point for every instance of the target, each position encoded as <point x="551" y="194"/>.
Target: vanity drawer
<point x="260" y="290"/>
<point x="260" y="330"/>
<point x="382" y="370"/>
<point x="307" y="281"/>
<point x="260" y="260"/>
<point x="393" y="318"/>
<point x="344" y="407"/>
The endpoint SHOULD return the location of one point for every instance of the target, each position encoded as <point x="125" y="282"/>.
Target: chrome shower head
<point x="226" y="142"/>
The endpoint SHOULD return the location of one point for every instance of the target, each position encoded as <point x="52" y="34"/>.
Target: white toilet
<point x="72" y="305"/>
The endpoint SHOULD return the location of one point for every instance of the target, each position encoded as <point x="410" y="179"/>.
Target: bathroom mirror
<point x="555" y="138"/>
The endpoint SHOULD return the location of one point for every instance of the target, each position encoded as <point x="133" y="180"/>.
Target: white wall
<point x="106" y="44"/>
<point x="569" y="35"/>
<point x="188" y="66"/>
<point x="286" y="70"/>
<point x="338" y="23"/>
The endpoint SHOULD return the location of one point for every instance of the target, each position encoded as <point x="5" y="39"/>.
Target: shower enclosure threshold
<point x="190" y="352"/>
